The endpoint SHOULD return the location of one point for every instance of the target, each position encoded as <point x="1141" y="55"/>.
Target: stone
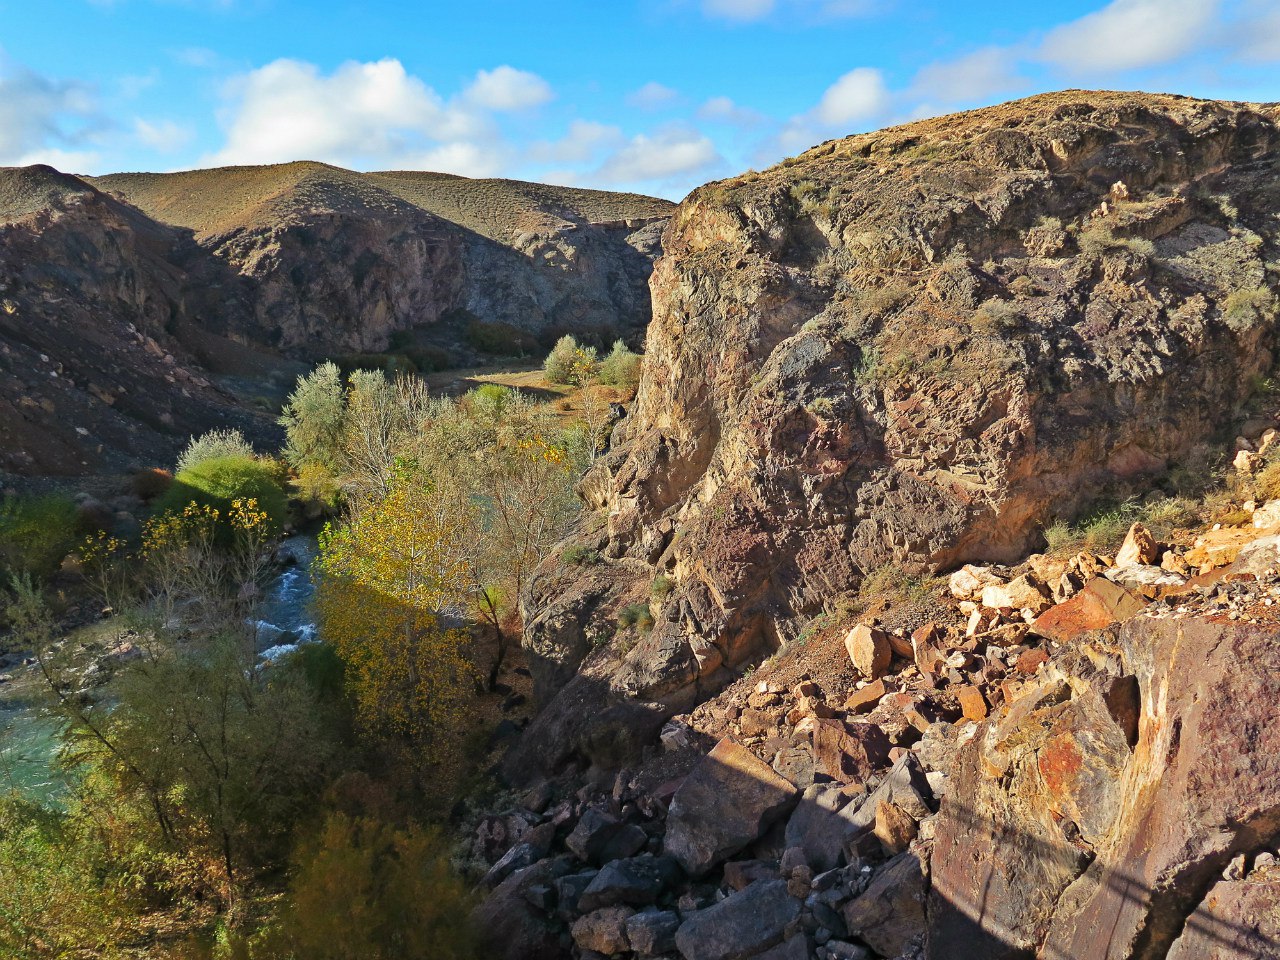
<point x="1021" y="593"/>
<point x="1267" y="516"/>
<point x="1139" y="547"/>
<point x="1246" y="461"/>
<point x="1100" y="604"/>
<point x="512" y="928"/>
<point x="729" y="800"/>
<point x="890" y="915"/>
<point x="973" y="705"/>
<point x="600" y="837"/>
<point x="1236" y="920"/>
<point x="869" y="650"/>
<point x="850" y="751"/>
<point x="604" y="931"/>
<point x="968" y="582"/>
<point x="815" y="827"/>
<point x="1148" y="580"/>
<point x="793" y="948"/>
<point x="1029" y="661"/>
<point x="740" y="874"/>
<point x="569" y="890"/>
<point x="635" y="881"/>
<point x="894" y="827"/>
<point x="652" y="932"/>
<point x="865" y="699"/>
<point x="742" y="925"/>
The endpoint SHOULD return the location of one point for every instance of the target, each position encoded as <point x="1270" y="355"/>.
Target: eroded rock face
<point x="1065" y="818"/>
<point x="914" y="347"/>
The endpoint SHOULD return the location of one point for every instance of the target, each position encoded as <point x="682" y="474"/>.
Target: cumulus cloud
<point x="371" y="114"/>
<point x="584" y="140"/>
<point x="857" y="96"/>
<point x="45" y="121"/>
<point x="652" y="96"/>
<point x="164" y="136"/>
<point x="1130" y="34"/>
<point x="976" y="76"/>
<point x="670" y="152"/>
<point x="724" y="110"/>
<point x="506" y="89"/>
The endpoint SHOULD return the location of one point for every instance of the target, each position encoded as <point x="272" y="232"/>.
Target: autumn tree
<point x="392" y="581"/>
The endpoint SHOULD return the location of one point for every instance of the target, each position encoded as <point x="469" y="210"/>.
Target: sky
<point x="654" y="96"/>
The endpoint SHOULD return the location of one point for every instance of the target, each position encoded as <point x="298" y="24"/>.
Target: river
<point x="28" y="735"/>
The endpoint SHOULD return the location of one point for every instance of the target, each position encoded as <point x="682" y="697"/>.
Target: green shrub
<point x="998" y="316"/>
<point x="580" y="556"/>
<point x="662" y="586"/>
<point x="1098" y="238"/>
<point x="621" y="368"/>
<point x="636" y="615"/>
<point x="212" y="446"/>
<point x="569" y="362"/>
<point x="216" y="483"/>
<point x="1244" y="308"/>
<point x="35" y="534"/>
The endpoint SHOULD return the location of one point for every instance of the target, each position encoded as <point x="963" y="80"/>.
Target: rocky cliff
<point x="123" y="297"/>
<point x="905" y="350"/>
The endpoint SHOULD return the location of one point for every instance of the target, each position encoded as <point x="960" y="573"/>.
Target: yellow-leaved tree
<point x="390" y="580"/>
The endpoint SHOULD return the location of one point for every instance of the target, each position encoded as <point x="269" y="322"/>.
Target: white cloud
<point x="668" y="153"/>
<point x="975" y="76"/>
<point x="858" y="96"/>
<point x="1257" y="33"/>
<point x="361" y="115"/>
<point x="724" y="110"/>
<point x="1129" y="34"/>
<point x="748" y="11"/>
<point x="45" y="121"/>
<point x="584" y="140"/>
<point x="652" y="96"/>
<point x="200" y="57"/>
<point x="508" y="89"/>
<point x="163" y="135"/>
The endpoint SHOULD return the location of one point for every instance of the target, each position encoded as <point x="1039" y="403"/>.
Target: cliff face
<point x="336" y="261"/>
<point x="94" y="369"/>
<point x="913" y="348"/>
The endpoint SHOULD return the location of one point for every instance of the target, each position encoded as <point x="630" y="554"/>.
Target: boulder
<point x="1021" y="593"/>
<point x="850" y="751"/>
<point x="600" y="837"/>
<point x="740" y="926"/>
<point x="1100" y="604"/>
<point x="864" y="700"/>
<point x="889" y="916"/>
<point x="652" y="932"/>
<point x="1139" y="548"/>
<point x="815" y="826"/>
<point x="604" y="931"/>
<point x="509" y="926"/>
<point x="869" y="650"/>
<point x="968" y="582"/>
<point x="726" y="803"/>
<point x="636" y="882"/>
<point x="1236" y="920"/>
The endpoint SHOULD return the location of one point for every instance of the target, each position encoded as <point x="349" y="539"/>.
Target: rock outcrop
<point x="909" y="348"/>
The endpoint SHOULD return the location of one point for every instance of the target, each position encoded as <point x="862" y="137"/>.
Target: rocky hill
<point x="899" y="352"/>
<point x="123" y="298"/>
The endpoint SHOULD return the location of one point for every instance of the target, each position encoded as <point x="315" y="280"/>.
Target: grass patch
<point x="1244" y="309"/>
<point x="580" y="556"/>
<point x="661" y="587"/>
<point x="636" y="615"/>
<point x="36" y="533"/>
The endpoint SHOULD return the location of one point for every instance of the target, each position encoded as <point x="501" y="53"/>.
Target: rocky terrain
<point x="767" y="728"/>
<point x="909" y="349"/>
<point x="125" y="299"/>
<point x="1076" y="744"/>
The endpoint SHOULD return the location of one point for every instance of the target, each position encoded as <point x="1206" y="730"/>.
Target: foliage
<point x="149" y="484"/>
<point x="214" y="445"/>
<point x="386" y="579"/>
<point x="55" y="901"/>
<point x="661" y="587"/>
<point x="1243" y="309"/>
<point x="569" y="362"/>
<point x="998" y="316"/>
<point x="35" y="534"/>
<point x="500" y="339"/>
<point x="621" y="367"/>
<point x="365" y="888"/>
<point x="580" y="555"/>
<point x="1098" y="238"/>
<point x="317" y="488"/>
<point x="313" y="418"/>
<point x="216" y="484"/>
<point x="636" y="615"/>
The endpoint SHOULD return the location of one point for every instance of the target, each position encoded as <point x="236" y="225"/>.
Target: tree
<point x="381" y="418"/>
<point x="313" y="418"/>
<point x="569" y="362"/>
<point x="388" y="580"/>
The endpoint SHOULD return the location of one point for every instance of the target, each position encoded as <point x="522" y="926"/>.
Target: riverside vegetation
<point x="220" y="805"/>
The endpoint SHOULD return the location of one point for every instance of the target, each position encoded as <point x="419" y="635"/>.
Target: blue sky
<point x="650" y="95"/>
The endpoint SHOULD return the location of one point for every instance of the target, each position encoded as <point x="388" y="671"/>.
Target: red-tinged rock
<point x="1100" y="604"/>
<point x="865" y="700"/>
<point x="1237" y="920"/>
<point x="869" y="650"/>
<point x="894" y="827"/>
<point x="901" y="646"/>
<point x="1029" y="661"/>
<point x="850" y="752"/>
<point x="755" y="723"/>
<point x="973" y="705"/>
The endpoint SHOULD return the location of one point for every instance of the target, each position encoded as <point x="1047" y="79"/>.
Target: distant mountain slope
<point x="119" y="295"/>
